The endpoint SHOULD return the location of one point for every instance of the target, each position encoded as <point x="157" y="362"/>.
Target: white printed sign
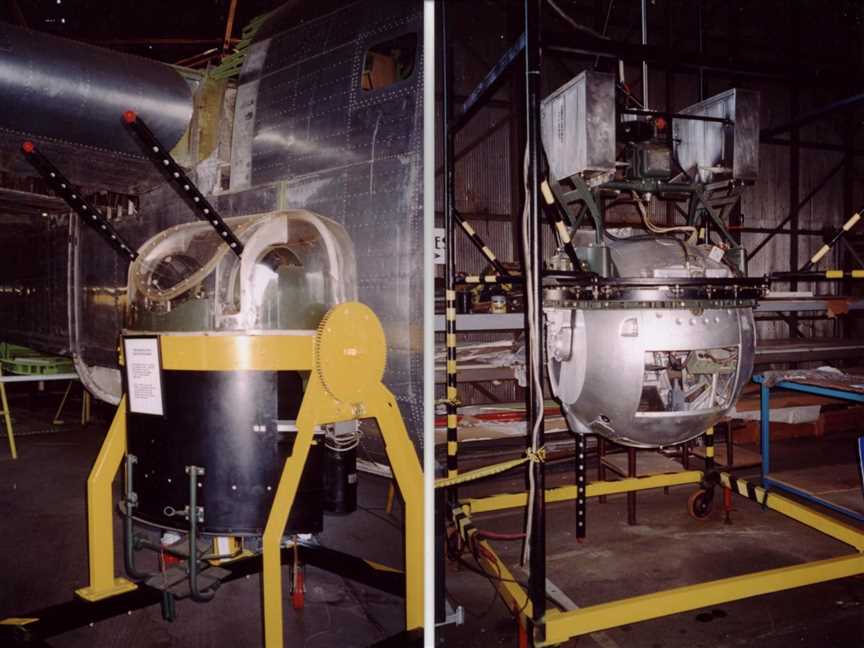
<point x="439" y="242"/>
<point x="143" y="375"/>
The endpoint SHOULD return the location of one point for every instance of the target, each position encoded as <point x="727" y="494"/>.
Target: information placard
<point x="143" y="375"/>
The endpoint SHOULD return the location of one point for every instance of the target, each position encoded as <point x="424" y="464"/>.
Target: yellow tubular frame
<point x="595" y="489"/>
<point x="319" y="407"/>
<point x="4" y="403"/>
<point x="100" y="514"/>
<point x="266" y="353"/>
<point x="563" y="625"/>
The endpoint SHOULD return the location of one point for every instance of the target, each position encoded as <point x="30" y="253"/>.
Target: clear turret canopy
<point x="295" y="266"/>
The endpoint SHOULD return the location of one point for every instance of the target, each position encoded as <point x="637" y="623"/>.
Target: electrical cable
<point x="573" y="23"/>
<point x="531" y="308"/>
<point x="663" y="230"/>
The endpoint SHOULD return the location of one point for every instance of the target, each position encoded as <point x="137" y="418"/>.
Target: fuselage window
<point x="389" y="62"/>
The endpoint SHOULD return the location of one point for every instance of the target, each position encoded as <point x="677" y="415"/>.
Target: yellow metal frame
<point x="288" y="352"/>
<point x="561" y="626"/>
<point x="100" y="514"/>
<point x="319" y="407"/>
<point x="504" y="501"/>
<point x="7" y="419"/>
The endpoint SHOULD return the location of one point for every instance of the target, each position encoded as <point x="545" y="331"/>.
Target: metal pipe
<point x="581" y="486"/>
<point x="645" y="62"/>
<point x="534" y="323"/>
<point x="452" y="386"/>
<point x="128" y="537"/>
<point x="631" y="495"/>
<point x="196" y="594"/>
<point x="229" y="26"/>
<point x="701" y="29"/>
<point x="672" y="115"/>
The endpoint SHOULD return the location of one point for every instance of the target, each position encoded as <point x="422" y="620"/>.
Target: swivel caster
<point x="700" y="503"/>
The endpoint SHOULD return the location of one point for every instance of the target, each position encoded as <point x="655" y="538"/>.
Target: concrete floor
<point x="666" y="549"/>
<point x="43" y="544"/>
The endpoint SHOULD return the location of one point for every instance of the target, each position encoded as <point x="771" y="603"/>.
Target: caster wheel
<point x="700" y="504"/>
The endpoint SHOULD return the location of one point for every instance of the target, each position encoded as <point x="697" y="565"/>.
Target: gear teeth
<point x="319" y="335"/>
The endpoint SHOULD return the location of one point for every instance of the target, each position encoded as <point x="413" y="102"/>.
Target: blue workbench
<point x="856" y="396"/>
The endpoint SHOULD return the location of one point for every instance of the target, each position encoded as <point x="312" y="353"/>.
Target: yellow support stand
<point x="563" y="625"/>
<point x="346" y="359"/>
<point x="100" y="514"/>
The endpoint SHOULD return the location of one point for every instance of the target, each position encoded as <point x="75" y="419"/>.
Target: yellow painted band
<point x="489" y="254"/>
<point x="547" y="193"/>
<point x="849" y="224"/>
<point x="237" y="352"/>
<point x="451" y="366"/>
<point x="820" y="253"/>
<point x="450" y="314"/>
<point x="467" y="227"/>
<point x="803" y="513"/>
<point x="451" y="339"/>
<point x="16" y="621"/>
<point x="452" y="394"/>
<point x="858" y="274"/>
<point x="562" y="231"/>
<point x="452" y="448"/>
<point x="834" y="274"/>
<point x="380" y="567"/>
<point x="571" y="623"/>
<point x="472" y="279"/>
<point x="709" y="451"/>
<point x="450" y="294"/>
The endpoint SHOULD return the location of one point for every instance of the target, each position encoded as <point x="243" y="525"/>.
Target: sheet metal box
<point x="578" y="126"/>
<point x="721" y="151"/>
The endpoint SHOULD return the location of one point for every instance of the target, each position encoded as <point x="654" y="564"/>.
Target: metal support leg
<point x="727" y="506"/>
<point x="319" y="408"/>
<point x="581" y="487"/>
<point x="8" y="420"/>
<point x="765" y="427"/>
<point x="57" y="420"/>
<point x="196" y="515"/>
<point x="601" y="467"/>
<point x="730" y="445"/>
<point x="100" y="517"/>
<point x="709" y="450"/>
<point x="85" y="407"/>
<point x="128" y="527"/>
<point x="409" y="477"/>
<point x="271" y="572"/>
<point x="631" y="495"/>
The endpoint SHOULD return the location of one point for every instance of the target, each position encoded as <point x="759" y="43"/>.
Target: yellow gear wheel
<point x="350" y="351"/>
